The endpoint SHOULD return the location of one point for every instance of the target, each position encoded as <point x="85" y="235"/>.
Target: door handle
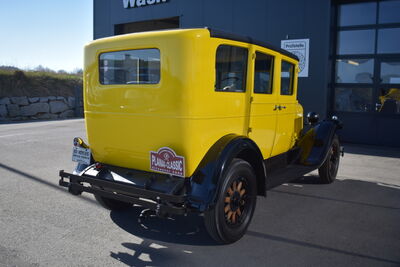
<point x="279" y="107"/>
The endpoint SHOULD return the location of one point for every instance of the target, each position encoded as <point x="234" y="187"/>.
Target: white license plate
<point x="81" y="155"/>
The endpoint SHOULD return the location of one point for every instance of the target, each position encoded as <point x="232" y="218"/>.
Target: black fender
<point x="206" y="178"/>
<point x="316" y="141"/>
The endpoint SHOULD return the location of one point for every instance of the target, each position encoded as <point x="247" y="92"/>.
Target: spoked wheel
<point x="227" y="222"/>
<point x="235" y="201"/>
<point x="328" y="171"/>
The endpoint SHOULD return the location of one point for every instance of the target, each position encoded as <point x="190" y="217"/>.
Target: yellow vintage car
<point x="390" y="102"/>
<point x="195" y="120"/>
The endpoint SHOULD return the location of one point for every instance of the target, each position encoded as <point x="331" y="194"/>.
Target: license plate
<point x="81" y="155"/>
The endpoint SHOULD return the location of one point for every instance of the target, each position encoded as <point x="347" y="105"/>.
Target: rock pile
<point x="38" y="108"/>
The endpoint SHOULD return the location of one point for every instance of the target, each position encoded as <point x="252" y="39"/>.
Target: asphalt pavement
<point x="353" y="222"/>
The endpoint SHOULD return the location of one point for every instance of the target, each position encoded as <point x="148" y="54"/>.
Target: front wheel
<point x="328" y="171"/>
<point x="228" y="220"/>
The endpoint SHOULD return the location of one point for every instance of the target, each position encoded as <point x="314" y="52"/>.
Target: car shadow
<point x="188" y="230"/>
<point x="346" y="207"/>
<point x="307" y="179"/>
<point x="145" y="254"/>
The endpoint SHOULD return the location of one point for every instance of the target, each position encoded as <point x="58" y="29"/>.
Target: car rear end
<point x="136" y="115"/>
<point x="134" y="97"/>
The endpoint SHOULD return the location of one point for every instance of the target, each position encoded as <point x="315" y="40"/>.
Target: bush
<point x="38" y="83"/>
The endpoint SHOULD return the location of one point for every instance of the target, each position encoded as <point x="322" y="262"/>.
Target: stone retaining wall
<point x="39" y="108"/>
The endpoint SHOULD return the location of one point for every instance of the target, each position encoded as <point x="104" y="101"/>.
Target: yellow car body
<point x="195" y="120"/>
<point x="183" y="111"/>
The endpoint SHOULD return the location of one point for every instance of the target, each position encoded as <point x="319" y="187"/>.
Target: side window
<point x="263" y="73"/>
<point x="231" y="69"/>
<point x="287" y="73"/>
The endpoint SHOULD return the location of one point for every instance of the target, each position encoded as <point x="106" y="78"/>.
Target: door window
<point x="390" y="72"/>
<point x="354" y="70"/>
<point x="287" y="73"/>
<point x="263" y="73"/>
<point x="231" y="69"/>
<point x="353" y="99"/>
<point x="356" y="42"/>
<point x="389" y="11"/>
<point x="389" y="40"/>
<point x="357" y="14"/>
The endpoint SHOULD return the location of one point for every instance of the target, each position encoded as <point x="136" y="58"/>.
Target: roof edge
<point x="235" y="37"/>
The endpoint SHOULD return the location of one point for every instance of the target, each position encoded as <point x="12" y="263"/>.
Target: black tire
<point x="227" y="222"/>
<point x="328" y="171"/>
<point x="112" y="204"/>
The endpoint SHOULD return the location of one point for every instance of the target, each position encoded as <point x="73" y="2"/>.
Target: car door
<point x="286" y="107"/>
<point x="262" y="120"/>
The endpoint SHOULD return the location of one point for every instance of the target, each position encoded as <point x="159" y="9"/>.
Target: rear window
<point x="141" y="66"/>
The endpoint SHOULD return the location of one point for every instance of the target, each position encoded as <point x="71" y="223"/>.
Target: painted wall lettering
<point x="141" y="3"/>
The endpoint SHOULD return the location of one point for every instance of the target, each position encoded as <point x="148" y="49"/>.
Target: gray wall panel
<point x="219" y="15"/>
<point x="317" y="27"/>
<point x="250" y="18"/>
<point x="101" y="19"/>
<point x="266" y="20"/>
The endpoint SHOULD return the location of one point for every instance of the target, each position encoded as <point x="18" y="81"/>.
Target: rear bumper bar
<point x="160" y="202"/>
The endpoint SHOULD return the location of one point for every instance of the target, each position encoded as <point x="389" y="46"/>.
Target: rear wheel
<point x="328" y="171"/>
<point x="227" y="222"/>
<point x="112" y="204"/>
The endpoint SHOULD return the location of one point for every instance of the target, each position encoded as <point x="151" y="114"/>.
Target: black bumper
<point x="158" y="201"/>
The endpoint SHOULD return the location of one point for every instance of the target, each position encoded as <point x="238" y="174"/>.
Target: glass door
<point x="366" y="79"/>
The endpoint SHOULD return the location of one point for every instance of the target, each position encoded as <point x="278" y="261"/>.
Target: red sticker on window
<point x="165" y="160"/>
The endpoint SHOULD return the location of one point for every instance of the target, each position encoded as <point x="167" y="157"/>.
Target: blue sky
<point x="51" y="33"/>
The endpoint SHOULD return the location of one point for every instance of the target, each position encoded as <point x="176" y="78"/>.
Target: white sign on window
<point x="300" y="48"/>
<point x="141" y="3"/>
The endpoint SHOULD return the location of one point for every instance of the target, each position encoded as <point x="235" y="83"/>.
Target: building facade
<point x="350" y="50"/>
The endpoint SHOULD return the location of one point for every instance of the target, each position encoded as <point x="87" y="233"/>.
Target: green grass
<point x="36" y="83"/>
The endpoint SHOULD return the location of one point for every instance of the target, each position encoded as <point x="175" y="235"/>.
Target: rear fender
<point x="206" y="178"/>
<point x="316" y="141"/>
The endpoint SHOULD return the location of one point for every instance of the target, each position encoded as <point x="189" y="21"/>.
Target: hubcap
<point x="235" y="201"/>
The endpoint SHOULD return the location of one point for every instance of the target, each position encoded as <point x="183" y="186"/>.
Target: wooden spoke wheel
<point x="235" y="200"/>
<point x="228" y="220"/>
